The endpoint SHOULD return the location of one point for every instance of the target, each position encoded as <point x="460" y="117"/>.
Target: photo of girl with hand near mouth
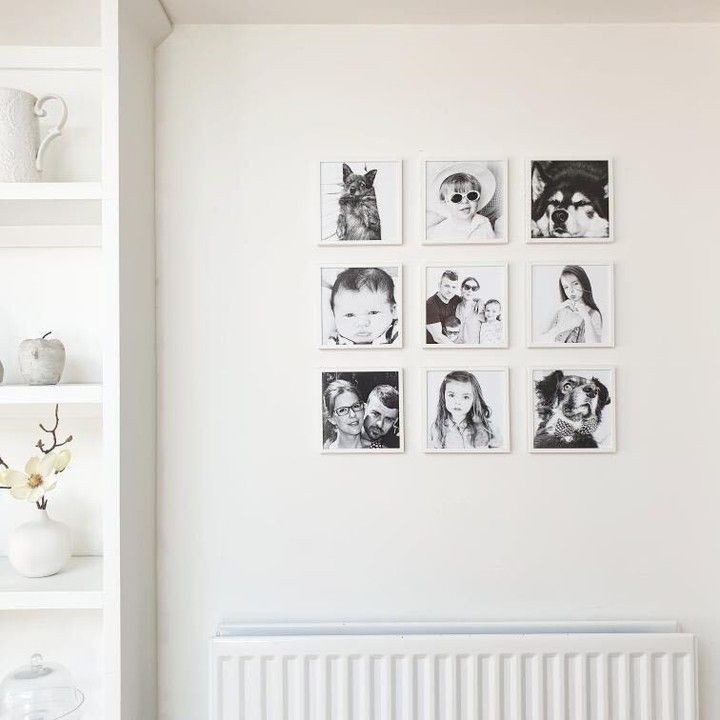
<point x="571" y="305"/>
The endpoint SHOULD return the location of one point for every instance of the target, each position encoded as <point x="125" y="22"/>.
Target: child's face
<point x="458" y="398"/>
<point x="462" y="203"/>
<point x="492" y="311"/>
<point x="571" y="286"/>
<point x="452" y="333"/>
<point x="362" y="315"/>
<point x="347" y="415"/>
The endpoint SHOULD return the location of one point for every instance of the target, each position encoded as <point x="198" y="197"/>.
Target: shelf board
<point x="50" y="236"/>
<point x="78" y="586"/>
<point x="86" y="394"/>
<point x="51" y="191"/>
<point x="19" y="57"/>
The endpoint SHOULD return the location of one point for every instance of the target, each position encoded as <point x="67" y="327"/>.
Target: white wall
<point x="253" y="522"/>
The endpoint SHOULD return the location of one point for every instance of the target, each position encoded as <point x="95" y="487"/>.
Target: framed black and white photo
<point x="466" y="305"/>
<point x="465" y="201"/>
<point x="361" y="306"/>
<point x="361" y="411"/>
<point x="572" y="409"/>
<point x="467" y="410"/>
<point x="570" y="305"/>
<point x="570" y="201"/>
<point x="361" y="202"/>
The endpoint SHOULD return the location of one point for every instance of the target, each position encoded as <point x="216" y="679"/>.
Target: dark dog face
<point x="570" y="199"/>
<point x="356" y="186"/>
<point x="575" y="397"/>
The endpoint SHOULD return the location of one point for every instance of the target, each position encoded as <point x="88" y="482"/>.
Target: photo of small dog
<point x="569" y="410"/>
<point x="570" y="199"/>
<point x="361" y="202"/>
<point x="359" y="219"/>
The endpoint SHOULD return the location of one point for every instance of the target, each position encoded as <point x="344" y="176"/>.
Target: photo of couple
<point x="361" y="202"/>
<point x="465" y="201"/>
<point x="360" y="307"/>
<point x="361" y="411"/>
<point x="466" y="306"/>
<point x="571" y="305"/>
<point x="467" y="410"/>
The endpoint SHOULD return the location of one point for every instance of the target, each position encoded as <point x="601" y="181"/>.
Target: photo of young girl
<point x="360" y="202"/>
<point x="360" y="307"/>
<point x="361" y="411"/>
<point x="466" y="305"/>
<point x="467" y="410"/>
<point x="465" y="201"/>
<point x="571" y="305"/>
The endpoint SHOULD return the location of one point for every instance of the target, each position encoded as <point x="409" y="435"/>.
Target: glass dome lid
<point x="39" y="691"/>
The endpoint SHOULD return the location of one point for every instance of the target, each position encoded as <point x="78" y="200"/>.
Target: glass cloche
<point x="39" y="691"/>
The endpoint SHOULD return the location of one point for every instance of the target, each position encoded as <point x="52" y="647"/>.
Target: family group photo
<point x="466" y="306"/>
<point x="466" y="410"/>
<point x="570" y="200"/>
<point x="361" y="411"/>
<point x="361" y="202"/>
<point x="465" y="201"/>
<point x="573" y="410"/>
<point x="571" y="305"/>
<point x="360" y="307"/>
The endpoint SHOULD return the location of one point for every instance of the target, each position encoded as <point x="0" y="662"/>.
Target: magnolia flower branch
<point x="39" y="476"/>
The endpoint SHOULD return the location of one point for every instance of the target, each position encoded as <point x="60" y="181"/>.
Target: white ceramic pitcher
<point x="21" y="151"/>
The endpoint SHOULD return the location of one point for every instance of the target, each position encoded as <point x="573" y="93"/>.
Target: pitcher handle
<point x="57" y="130"/>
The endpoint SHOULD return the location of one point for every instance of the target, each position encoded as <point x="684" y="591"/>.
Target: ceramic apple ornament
<point x="42" y="360"/>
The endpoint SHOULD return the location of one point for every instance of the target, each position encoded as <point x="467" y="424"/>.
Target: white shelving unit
<point x="78" y="587"/>
<point x="118" y="587"/>
<point x="70" y="394"/>
<point x="51" y="191"/>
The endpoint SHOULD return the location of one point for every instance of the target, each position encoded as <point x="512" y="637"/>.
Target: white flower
<point x="62" y="460"/>
<point x="38" y="478"/>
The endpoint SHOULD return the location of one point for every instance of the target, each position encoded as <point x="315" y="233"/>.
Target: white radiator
<point x="454" y="676"/>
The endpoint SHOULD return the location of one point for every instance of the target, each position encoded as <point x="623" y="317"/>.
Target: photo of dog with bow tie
<point x="570" y="410"/>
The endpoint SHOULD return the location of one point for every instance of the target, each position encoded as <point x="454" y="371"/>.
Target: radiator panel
<point x="605" y="676"/>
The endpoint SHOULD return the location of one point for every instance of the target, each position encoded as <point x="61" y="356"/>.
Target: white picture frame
<point x="543" y="280"/>
<point x="495" y="385"/>
<point x="325" y="323"/>
<point x="387" y="186"/>
<point x="493" y="275"/>
<point x="431" y="171"/>
<point x="565" y="441"/>
<point x="364" y="386"/>
<point x="557" y="238"/>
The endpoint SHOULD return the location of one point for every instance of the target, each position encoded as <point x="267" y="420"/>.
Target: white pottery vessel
<point x="21" y="151"/>
<point x="40" y="547"/>
<point x="42" y="361"/>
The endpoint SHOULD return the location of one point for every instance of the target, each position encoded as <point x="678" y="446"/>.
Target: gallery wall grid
<point x="465" y="303"/>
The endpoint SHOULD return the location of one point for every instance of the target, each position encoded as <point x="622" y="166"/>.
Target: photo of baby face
<point x="360" y="307"/>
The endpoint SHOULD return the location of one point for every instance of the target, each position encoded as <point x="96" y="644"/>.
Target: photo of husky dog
<point x="570" y="199"/>
<point x="568" y="410"/>
<point x="359" y="219"/>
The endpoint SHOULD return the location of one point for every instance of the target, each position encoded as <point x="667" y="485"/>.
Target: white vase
<point x="40" y="547"/>
<point x="21" y="150"/>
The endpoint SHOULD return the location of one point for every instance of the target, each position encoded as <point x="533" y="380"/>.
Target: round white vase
<point x="40" y="547"/>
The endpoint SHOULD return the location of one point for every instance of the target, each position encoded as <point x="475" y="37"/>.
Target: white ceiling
<point x="437" y="11"/>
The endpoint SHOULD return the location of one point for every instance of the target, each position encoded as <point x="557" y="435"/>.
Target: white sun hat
<point x="478" y="170"/>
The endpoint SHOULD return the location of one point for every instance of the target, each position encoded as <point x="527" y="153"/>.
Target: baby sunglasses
<point x="472" y="196"/>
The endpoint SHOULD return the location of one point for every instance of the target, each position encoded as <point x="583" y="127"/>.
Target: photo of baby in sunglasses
<point x="465" y="201"/>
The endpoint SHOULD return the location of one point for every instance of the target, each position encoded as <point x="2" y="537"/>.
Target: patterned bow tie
<point x="565" y="430"/>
